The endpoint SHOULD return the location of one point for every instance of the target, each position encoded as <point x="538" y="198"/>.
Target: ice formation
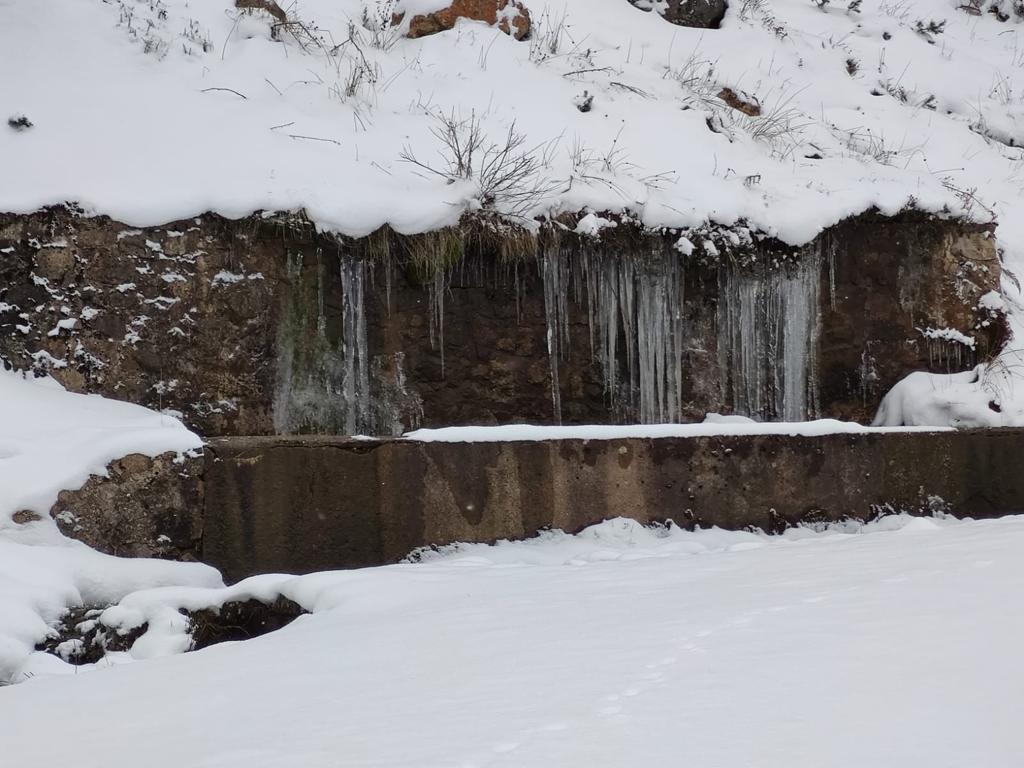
<point x="767" y="334"/>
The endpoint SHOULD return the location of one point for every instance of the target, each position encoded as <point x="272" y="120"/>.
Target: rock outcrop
<point x="144" y="507"/>
<point x="706" y="14"/>
<point x="81" y="636"/>
<point x="510" y="16"/>
<point x="264" y="325"/>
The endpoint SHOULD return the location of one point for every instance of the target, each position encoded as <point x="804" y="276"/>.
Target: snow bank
<point x="51" y="440"/>
<point x="860" y="109"/>
<point x="990" y="395"/>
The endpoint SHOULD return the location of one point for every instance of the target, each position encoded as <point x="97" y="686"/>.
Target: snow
<point x="52" y="440"/>
<point x="258" y="115"/>
<point x="713" y="425"/>
<point x="949" y="334"/>
<point x="888" y="645"/>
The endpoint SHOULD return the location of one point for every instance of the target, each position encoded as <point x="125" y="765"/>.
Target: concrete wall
<point x="313" y="503"/>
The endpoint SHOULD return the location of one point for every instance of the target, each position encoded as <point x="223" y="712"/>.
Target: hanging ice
<point x="637" y="298"/>
<point x="354" y="354"/>
<point x="323" y="385"/>
<point x="767" y="337"/>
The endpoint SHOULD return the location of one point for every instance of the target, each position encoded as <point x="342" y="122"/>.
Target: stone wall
<point x="313" y="503"/>
<point x="263" y="325"/>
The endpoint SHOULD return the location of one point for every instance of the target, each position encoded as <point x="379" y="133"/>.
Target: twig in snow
<point x="312" y="138"/>
<point x="631" y="89"/>
<point x="585" y="71"/>
<point x="229" y="90"/>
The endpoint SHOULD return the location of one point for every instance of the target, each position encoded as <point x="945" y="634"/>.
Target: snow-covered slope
<point x="897" y="644"/>
<point x="155" y="109"/>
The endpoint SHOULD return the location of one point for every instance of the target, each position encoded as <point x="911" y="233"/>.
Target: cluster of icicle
<point x="768" y="323"/>
<point x="635" y="313"/>
<point x="767" y="330"/>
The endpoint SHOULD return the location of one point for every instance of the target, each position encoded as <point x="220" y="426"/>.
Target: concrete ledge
<point x="299" y="504"/>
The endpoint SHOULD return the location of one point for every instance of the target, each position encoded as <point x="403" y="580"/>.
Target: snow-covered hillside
<point x="151" y="110"/>
<point x="892" y="645"/>
<point x="154" y="109"/>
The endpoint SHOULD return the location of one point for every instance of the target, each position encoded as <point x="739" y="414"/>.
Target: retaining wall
<point x="300" y="504"/>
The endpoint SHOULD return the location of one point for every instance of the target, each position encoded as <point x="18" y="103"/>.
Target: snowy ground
<point x="182" y="106"/>
<point x="897" y="645"/>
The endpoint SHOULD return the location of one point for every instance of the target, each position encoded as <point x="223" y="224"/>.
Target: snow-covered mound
<point x="51" y="440"/>
<point x="891" y="644"/>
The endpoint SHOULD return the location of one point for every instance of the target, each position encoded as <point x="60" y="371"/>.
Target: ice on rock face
<point x="767" y="336"/>
<point x="354" y="353"/>
<point x="554" y="274"/>
<point x="637" y="298"/>
<point x="767" y="331"/>
<point x="633" y="305"/>
<point x="324" y="386"/>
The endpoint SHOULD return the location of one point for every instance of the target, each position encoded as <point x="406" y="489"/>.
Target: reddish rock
<point x="511" y="16"/>
<point x="269" y="6"/>
<point x="741" y="102"/>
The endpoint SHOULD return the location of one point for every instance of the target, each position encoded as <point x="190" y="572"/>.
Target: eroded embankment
<point x="263" y="325"/>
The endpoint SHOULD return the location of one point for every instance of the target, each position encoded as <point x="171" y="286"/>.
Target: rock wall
<point x="313" y="503"/>
<point x="263" y="325"/>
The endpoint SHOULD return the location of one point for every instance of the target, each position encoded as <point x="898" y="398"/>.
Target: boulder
<point x="511" y="17"/>
<point x="706" y="14"/>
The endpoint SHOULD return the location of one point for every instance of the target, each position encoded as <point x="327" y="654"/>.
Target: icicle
<point x="640" y="299"/>
<point x="436" y="290"/>
<point x="768" y="329"/>
<point x="660" y="343"/>
<point x="829" y="244"/>
<point x="554" y="315"/>
<point x="355" y="380"/>
<point x="627" y="312"/>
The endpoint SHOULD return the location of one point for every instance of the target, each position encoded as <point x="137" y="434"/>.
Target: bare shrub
<point x="508" y="175"/>
<point x="378" y="21"/>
